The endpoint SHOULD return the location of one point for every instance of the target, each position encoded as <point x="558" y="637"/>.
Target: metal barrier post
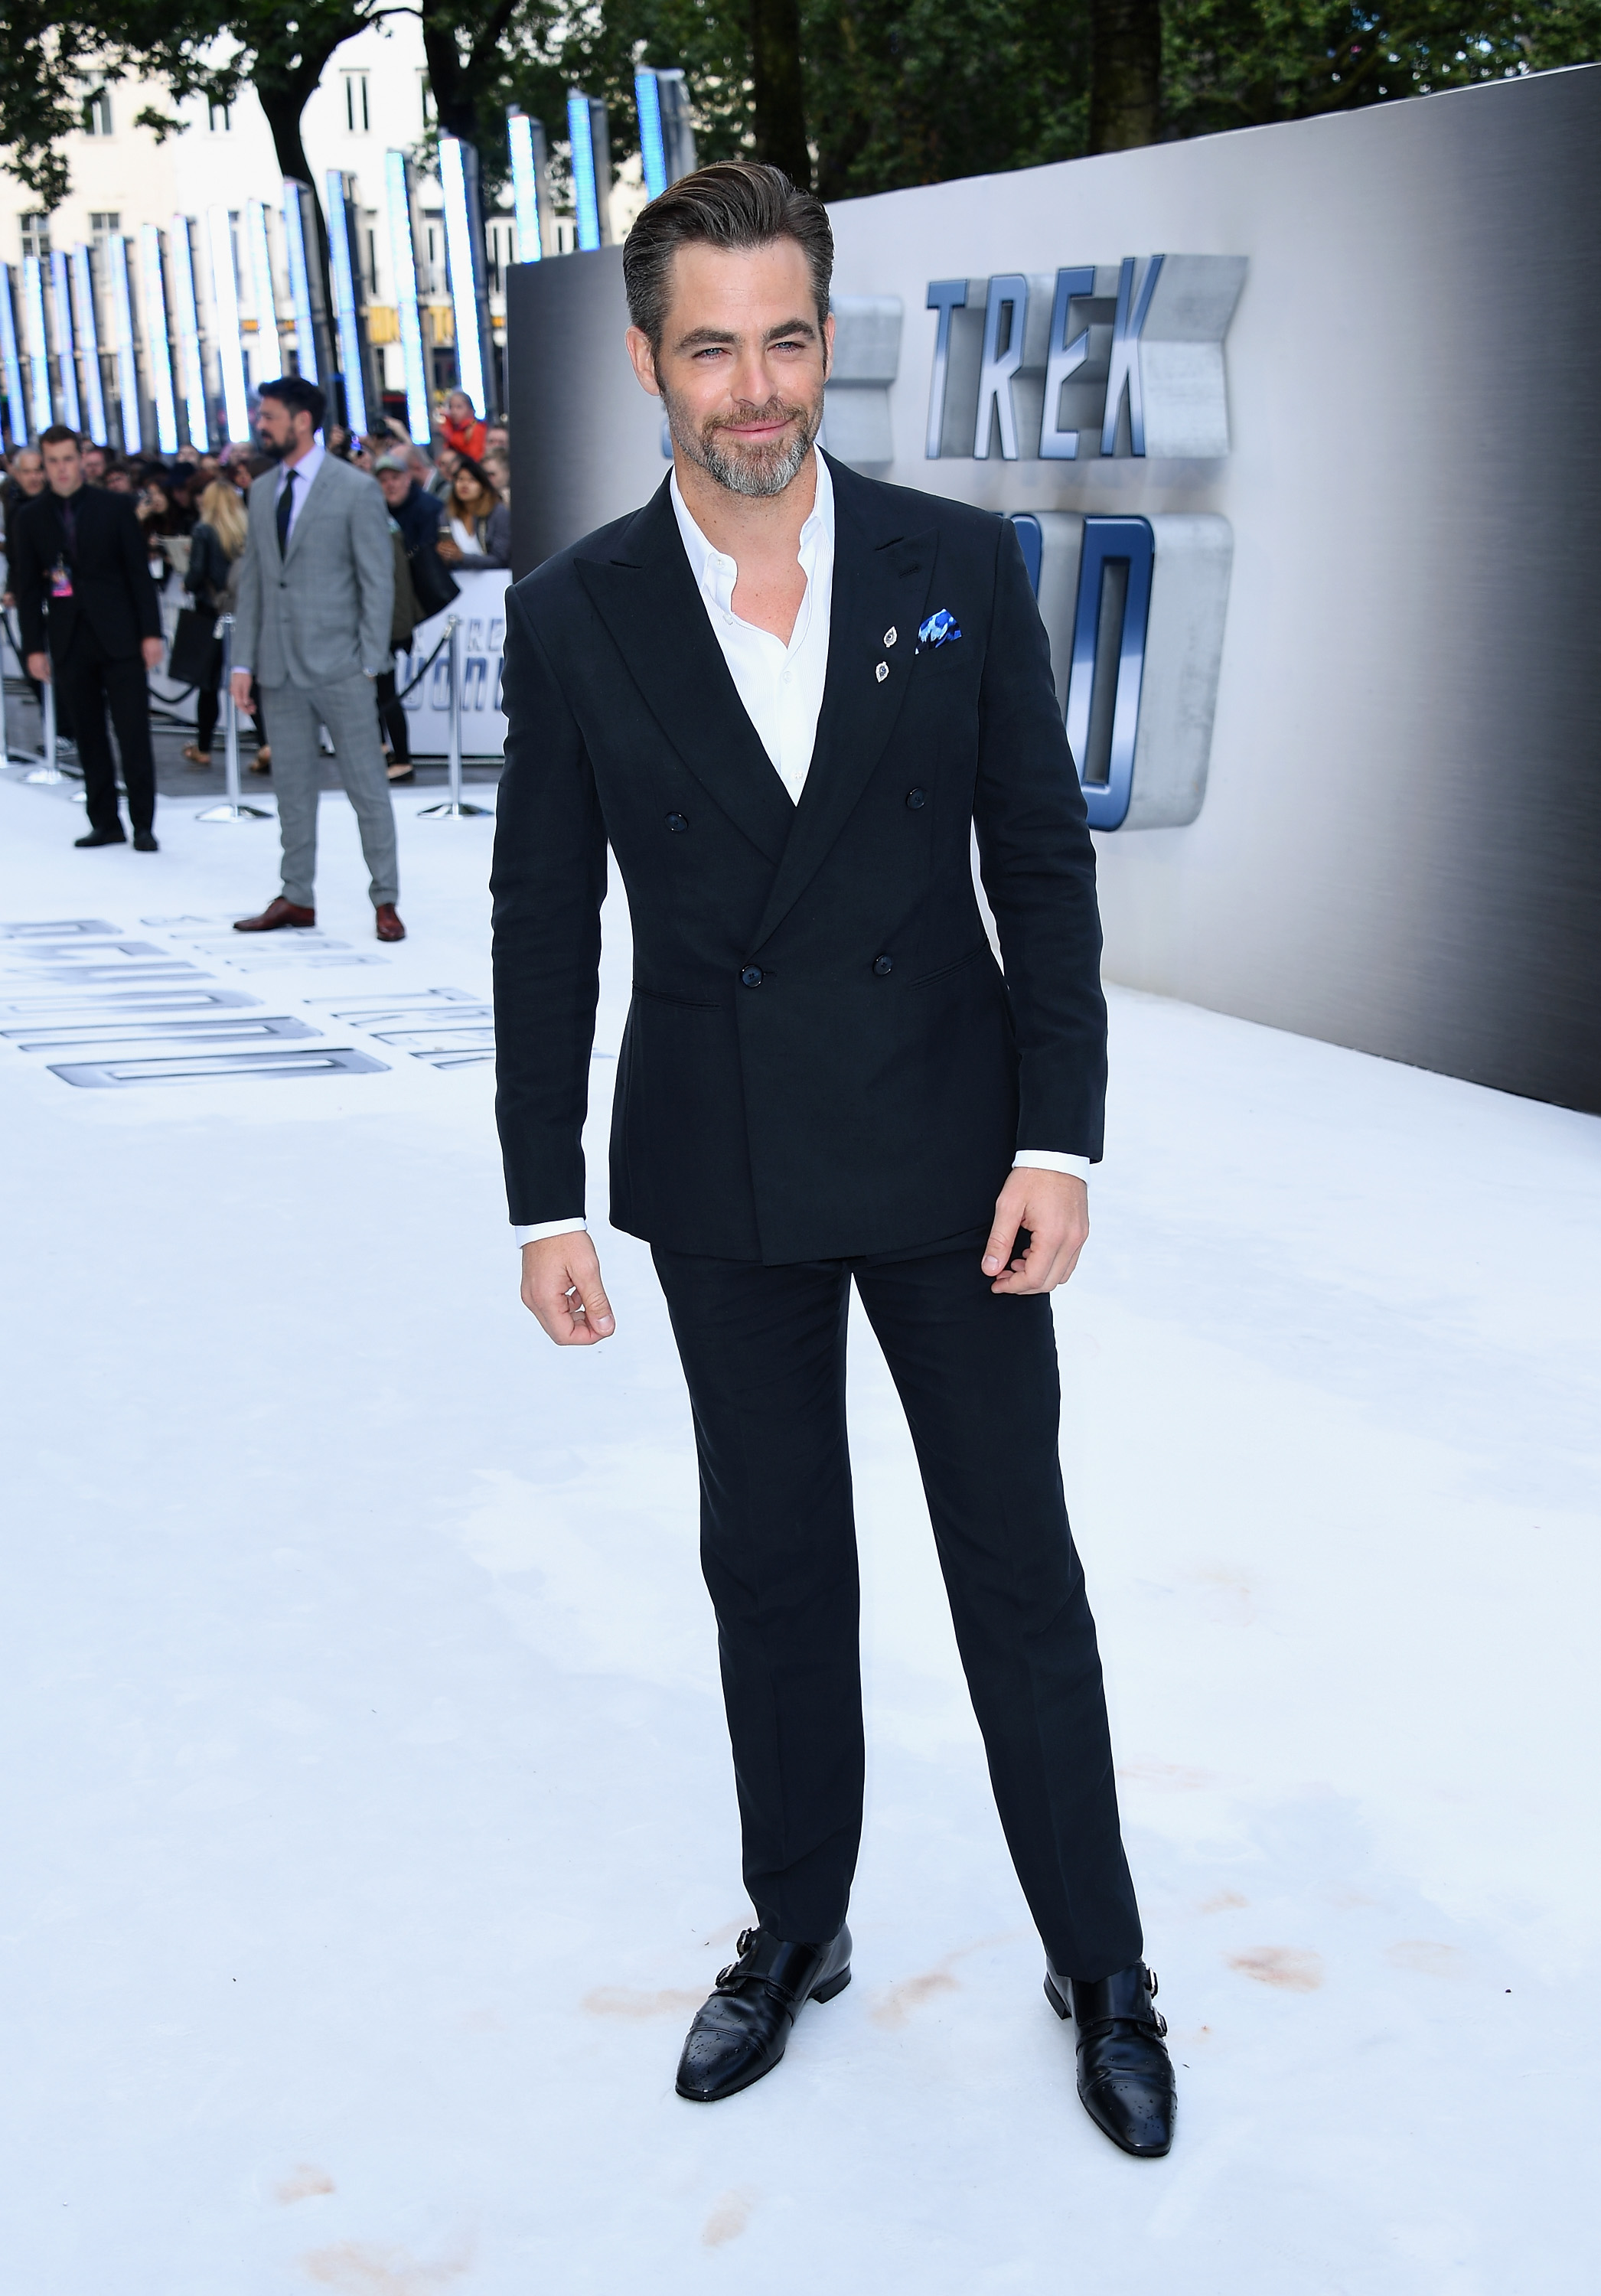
<point x="49" y="771"/>
<point x="453" y="809"/>
<point x="231" y="810"/>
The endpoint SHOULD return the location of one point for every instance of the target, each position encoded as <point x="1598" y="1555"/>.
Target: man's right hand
<point x="239" y="686"/>
<point x="39" y="669"/>
<point x="562" y="1285"/>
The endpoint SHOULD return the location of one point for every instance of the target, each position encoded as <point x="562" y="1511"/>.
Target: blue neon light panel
<point x="38" y="355"/>
<point x="647" y="99"/>
<point x="580" y="130"/>
<point x="526" y="137"/>
<point x="66" y="349"/>
<point x="127" y="356"/>
<point x="156" y="338"/>
<point x="344" y="302"/>
<point x="187" y="318"/>
<point x="224" y="306"/>
<point x="88" y="335"/>
<point x="465" y="262"/>
<point x="16" y="405"/>
<point x="403" y="261"/>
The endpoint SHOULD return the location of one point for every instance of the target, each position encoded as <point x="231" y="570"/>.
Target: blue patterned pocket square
<point x="939" y="630"/>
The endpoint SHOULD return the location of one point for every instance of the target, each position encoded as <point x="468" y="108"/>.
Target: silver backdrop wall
<point x="1400" y="843"/>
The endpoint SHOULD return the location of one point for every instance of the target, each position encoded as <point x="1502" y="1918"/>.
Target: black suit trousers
<point x="88" y="680"/>
<point x="763" y="1350"/>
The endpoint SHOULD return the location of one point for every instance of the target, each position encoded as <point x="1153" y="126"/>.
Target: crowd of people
<point x="449" y="503"/>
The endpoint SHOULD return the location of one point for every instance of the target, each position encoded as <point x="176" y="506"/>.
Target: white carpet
<point x="370" y="1829"/>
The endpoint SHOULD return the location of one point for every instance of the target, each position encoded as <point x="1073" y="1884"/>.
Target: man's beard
<point x="757" y="470"/>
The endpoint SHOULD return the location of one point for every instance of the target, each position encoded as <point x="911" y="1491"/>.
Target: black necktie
<point x="286" y="497"/>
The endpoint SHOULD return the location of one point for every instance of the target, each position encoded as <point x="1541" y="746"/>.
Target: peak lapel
<point x="646" y="595"/>
<point x="881" y="581"/>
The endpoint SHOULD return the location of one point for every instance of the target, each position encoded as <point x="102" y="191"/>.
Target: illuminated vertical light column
<point x="464" y="249"/>
<point x="38" y="351"/>
<point x="269" y="355"/>
<point x="347" y="315"/>
<point x="677" y="129"/>
<point x="158" y="336"/>
<point x="530" y="160"/>
<point x="16" y="405"/>
<point x="88" y="335"/>
<point x="224" y="306"/>
<point x="403" y="260"/>
<point x="591" y="167"/>
<point x="185" y="312"/>
<point x="66" y="347"/>
<point x="313" y="342"/>
<point x="647" y="102"/>
<point x="126" y="344"/>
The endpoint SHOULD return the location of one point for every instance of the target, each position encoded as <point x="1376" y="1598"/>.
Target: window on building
<point x="97" y="113"/>
<point x="36" y="235"/>
<point x="103" y="228"/>
<point x="219" y="118"/>
<point x="372" y="240"/>
<point x="501" y="241"/>
<point x="433" y="232"/>
<point x="357" y="117"/>
<point x="429" y="113"/>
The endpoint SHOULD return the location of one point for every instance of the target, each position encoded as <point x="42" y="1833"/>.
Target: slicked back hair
<point x="739" y="203"/>
<point x="299" y="395"/>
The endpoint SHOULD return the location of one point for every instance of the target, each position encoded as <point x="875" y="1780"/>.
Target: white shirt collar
<point x="716" y="573"/>
<point x="304" y="469"/>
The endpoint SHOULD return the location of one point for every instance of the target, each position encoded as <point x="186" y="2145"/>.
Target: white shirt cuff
<point x="1047" y="1159"/>
<point x="549" y="1227"/>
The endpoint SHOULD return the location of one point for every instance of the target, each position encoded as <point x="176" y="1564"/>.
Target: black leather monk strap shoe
<point x="1125" y="2074"/>
<point x="742" y="2030"/>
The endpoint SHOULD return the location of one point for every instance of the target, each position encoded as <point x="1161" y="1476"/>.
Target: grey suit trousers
<point x="350" y="711"/>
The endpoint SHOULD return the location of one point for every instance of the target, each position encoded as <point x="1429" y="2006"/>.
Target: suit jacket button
<point x="751" y="976"/>
<point x="915" y="799"/>
<point x="676" y="821"/>
<point x="882" y="964"/>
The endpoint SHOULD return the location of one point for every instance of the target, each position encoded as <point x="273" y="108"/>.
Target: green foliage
<point x="898" y="92"/>
<point x="52" y="59"/>
<point x="919" y="91"/>
<point x="1239" y="63"/>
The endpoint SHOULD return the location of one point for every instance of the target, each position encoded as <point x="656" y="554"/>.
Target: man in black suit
<point x="85" y="593"/>
<point x="784" y="696"/>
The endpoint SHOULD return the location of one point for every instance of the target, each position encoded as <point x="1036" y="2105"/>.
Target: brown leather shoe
<point x="390" y="927"/>
<point x="278" y="912"/>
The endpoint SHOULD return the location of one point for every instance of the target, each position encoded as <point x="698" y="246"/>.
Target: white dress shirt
<point x="781" y="687"/>
<point x="301" y="473"/>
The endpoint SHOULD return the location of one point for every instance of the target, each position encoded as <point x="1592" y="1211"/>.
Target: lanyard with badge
<point x="60" y="573"/>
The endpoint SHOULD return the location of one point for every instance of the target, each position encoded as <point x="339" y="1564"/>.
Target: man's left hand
<point x="1054" y="1209"/>
<point x="153" y="649"/>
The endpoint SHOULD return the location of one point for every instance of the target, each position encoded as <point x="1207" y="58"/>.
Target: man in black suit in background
<point x="84" y="590"/>
<point x="784" y="695"/>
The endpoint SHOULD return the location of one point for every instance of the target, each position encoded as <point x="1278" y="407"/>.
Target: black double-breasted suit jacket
<point x="823" y="1058"/>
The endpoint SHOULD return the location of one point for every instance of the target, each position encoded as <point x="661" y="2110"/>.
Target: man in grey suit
<point x="317" y="596"/>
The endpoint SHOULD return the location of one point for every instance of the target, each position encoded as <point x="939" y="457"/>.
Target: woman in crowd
<point x="216" y="555"/>
<point x="463" y="431"/>
<point x="476" y="532"/>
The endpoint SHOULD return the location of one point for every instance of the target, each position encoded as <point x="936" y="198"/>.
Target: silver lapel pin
<point x="882" y="672"/>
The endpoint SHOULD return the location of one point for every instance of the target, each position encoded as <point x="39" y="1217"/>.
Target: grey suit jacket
<point x="323" y="612"/>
